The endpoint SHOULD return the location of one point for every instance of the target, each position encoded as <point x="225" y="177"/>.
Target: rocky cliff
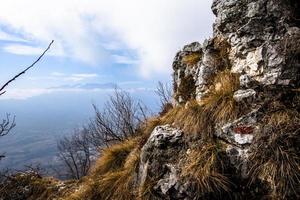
<point x="233" y="131"/>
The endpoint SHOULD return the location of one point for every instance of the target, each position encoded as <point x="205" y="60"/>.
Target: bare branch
<point x="2" y="91"/>
<point x="7" y="125"/>
<point x="164" y="92"/>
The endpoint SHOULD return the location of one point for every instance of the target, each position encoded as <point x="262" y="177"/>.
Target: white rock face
<point x="252" y="64"/>
<point x="243" y="138"/>
<point x="240" y="95"/>
<point x="162" y="134"/>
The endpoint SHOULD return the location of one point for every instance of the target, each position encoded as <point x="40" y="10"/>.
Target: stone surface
<point x="259" y="32"/>
<point x="241" y="95"/>
<point x="159" y="161"/>
<point x="260" y="41"/>
<point x="238" y="136"/>
<point x="240" y="131"/>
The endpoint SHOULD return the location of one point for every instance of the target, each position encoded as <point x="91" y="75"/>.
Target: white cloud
<point x="80" y="77"/>
<point x="58" y="76"/>
<point x="29" y="50"/>
<point x="124" y="60"/>
<point x="89" y="30"/>
<point x="9" y="37"/>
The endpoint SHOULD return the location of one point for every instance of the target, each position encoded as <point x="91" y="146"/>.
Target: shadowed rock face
<point x="260" y="41"/>
<point x="264" y="38"/>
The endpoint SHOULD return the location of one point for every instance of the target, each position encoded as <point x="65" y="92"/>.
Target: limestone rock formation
<point x="259" y="41"/>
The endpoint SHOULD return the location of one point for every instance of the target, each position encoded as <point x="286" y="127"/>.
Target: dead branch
<point x="24" y="71"/>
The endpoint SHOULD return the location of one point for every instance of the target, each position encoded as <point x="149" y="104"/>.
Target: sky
<point x="128" y="42"/>
<point x="98" y="44"/>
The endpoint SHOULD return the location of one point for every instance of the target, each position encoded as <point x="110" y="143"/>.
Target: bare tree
<point x="76" y="154"/>
<point x="7" y="124"/>
<point x="164" y="92"/>
<point x="5" y="128"/>
<point x="120" y="118"/>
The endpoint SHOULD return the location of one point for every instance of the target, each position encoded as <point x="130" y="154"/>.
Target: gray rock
<point x="159" y="159"/>
<point x="239" y="132"/>
<point x="260" y="33"/>
<point x="244" y="95"/>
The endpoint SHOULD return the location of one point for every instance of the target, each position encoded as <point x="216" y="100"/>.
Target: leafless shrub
<point x="119" y="120"/>
<point x="76" y="153"/>
<point x="7" y="125"/>
<point x="164" y="92"/>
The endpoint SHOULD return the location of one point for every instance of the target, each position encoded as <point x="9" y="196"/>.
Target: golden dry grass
<point x="276" y="156"/>
<point x="186" y="89"/>
<point x="223" y="47"/>
<point x="218" y="106"/>
<point x="114" y="157"/>
<point x="113" y="174"/>
<point x="190" y="118"/>
<point x="119" y="185"/>
<point x="192" y="58"/>
<point x="219" y="101"/>
<point x="204" y="167"/>
<point x="146" y="191"/>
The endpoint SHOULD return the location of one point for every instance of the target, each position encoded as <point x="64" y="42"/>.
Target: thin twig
<point x="24" y="71"/>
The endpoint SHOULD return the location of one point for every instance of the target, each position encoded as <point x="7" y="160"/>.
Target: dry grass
<point x="217" y="106"/>
<point x="186" y="90"/>
<point x="204" y="167"/>
<point x="192" y="58"/>
<point x="190" y="118"/>
<point x="276" y="156"/>
<point x="146" y="191"/>
<point x="31" y="186"/>
<point x="114" y="157"/>
<point x="119" y="185"/>
<point x="219" y="102"/>
<point x="223" y="48"/>
<point x="113" y="175"/>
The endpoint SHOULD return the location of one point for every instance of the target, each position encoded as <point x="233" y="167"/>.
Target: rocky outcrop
<point x="264" y="38"/>
<point x="159" y="162"/>
<point x="259" y="40"/>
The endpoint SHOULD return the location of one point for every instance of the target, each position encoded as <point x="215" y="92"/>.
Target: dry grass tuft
<point x="275" y="158"/>
<point x="114" y="157"/>
<point x="192" y="58"/>
<point x="217" y="106"/>
<point x="190" y="118"/>
<point x="113" y="176"/>
<point x="119" y="185"/>
<point x="186" y="89"/>
<point x="30" y="185"/>
<point x="219" y="101"/>
<point x="223" y="48"/>
<point x="146" y="191"/>
<point x="204" y="167"/>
